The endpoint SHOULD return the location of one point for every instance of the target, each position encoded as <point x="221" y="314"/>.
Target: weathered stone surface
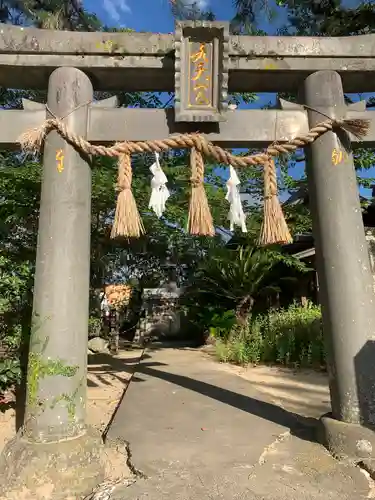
<point x="237" y="131"/>
<point x="117" y="62"/>
<point x="343" y="265"/>
<point x="201" y="70"/>
<point x="348" y="442"/>
<point x="153" y="124"/>
<point x="55" y="406"/>
<point x="99" y="345"/>
<point x="13" y="123"/>
<point x="46" y="471"/>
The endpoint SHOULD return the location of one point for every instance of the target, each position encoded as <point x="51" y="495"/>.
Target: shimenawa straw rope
<point x="127" y="220"/>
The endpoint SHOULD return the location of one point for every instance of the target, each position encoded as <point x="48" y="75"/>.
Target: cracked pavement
<point x="195" y="431"/>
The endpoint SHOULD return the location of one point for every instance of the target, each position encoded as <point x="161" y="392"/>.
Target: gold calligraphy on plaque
<point x="338" y="156"/>
<point x="200" y="79"/>
<point x="60" y="160"/>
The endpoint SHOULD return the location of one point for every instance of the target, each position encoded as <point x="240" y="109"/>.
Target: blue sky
<point x="156" y="16"/>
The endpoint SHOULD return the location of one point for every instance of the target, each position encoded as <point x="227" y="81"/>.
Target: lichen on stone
<point x="69" y="400"/>
<point x="40" y="367"/>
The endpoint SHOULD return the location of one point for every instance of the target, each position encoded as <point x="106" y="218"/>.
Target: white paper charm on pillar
<point x="159" y="191"/>
<point x="236" y="214"/>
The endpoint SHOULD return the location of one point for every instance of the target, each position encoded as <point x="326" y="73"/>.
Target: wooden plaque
<point x="201" y="71"/>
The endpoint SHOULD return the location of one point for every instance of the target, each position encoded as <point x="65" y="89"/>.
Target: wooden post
<point x="55" y="437"/>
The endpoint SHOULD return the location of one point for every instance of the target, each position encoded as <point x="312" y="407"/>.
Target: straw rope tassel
<point x="200" y="219"/>
<point x="127" y="221"/>
<point x="274" y="228"/>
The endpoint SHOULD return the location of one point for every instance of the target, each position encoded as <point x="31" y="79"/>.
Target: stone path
<point x="195" y="431"/>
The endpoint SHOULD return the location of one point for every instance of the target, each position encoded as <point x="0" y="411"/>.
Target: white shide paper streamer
<point x="159" y="191"/>
<point x="236" y="214"/>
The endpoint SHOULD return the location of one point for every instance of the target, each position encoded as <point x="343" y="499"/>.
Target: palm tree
<point x="49" y="14"/>
<point x="244" y="17"/>
<point x="190" y="10"/>
<point x="235" y="279"/>
<point x="243" y="21"/>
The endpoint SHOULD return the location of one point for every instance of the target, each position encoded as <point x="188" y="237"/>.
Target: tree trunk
<point x="244" y="308"/>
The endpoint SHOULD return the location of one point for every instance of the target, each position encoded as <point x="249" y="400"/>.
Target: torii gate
<point x="55" y="437"/>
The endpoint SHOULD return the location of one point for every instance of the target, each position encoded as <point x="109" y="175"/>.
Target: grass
<point x="291" y="337"/>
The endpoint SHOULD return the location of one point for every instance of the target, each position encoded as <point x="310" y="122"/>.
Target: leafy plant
<point x="291" y="336"/>
<point x="222" y="324"/>
<point x="95" y="325"/>
<point x="294" y="336"/>
<point x="235" y="279"/>
<point x="10" y="373"/>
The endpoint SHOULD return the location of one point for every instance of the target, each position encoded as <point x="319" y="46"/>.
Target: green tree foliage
<point x="329" y="17"/>
<point x="190" y="11"/>
<point x="234" y="280"/>
<point x="50" y="14"/>
<point x="166" y="240"/>
<point x="20" y="193"/>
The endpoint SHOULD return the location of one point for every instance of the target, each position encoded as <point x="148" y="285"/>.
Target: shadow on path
<point x="299" y="426"/>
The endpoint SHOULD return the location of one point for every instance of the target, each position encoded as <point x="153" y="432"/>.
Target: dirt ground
<point x="106" y="382"/>
<point x="304" y="392"/>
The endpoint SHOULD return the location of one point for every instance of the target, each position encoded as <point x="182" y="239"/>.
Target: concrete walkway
<point x="196" y="431"/>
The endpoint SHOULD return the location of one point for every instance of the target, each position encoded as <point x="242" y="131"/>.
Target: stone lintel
<point x="145" y="61"/>
<point x="243" y="128"/>
<point x="13" y="123"/>
<point x="43" y="41"/>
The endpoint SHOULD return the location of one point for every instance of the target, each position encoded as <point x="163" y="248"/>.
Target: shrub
<point x="242" y="347"/>
<point x="95" y="326"/>
<point x="294" y="336"/>
<point x="10" y="373"/>
<point x="291" y="336"/>
<point x="221" y="324"/>
<point x="209" y="321"/>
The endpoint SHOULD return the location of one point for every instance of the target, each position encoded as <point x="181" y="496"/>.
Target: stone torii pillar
<point x="345" y="279"/>
<point x="55" y="448"/>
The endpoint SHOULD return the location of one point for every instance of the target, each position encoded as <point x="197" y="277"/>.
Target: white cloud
<point x="116" y="7"/>
<point x="201" y="4"/>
